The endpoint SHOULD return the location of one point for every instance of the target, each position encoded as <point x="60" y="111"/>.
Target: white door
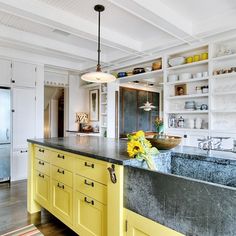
<point x="19" y="167"/>
<point x="24" y="74"/>
<point x="23" y="116"/>
<point x="6" y="72"/>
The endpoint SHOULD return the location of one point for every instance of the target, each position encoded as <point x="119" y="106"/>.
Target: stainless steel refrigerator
<point x="5" y="134"/>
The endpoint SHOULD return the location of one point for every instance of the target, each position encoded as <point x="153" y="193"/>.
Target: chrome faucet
<point x="214" y="143"/>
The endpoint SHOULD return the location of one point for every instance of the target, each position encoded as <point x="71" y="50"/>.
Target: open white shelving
<point x="188" y="112"/>
<point x="226" y="57"/>
<point x="188" y="81"/>
<point x="188" y="96"/>
<point x="188" y="65"/>
<point x="103" y="110"/>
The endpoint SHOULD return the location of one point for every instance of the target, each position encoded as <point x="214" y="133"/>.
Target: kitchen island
<point x="191" y="193"/>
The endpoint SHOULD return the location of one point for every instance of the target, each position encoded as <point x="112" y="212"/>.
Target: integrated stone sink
<point x="192" y="191"/>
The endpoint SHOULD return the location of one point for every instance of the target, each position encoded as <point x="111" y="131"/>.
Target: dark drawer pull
<point x="61" y="156"/>
<point x="41" y="150"/>
<point x="60" y="186"/>
<point x="90" y="202"/>
<point x="40" y="175"/>
<point x="41" y="163"/>
<point x="23" y="151"/>
<point x="61" y="171"/>
<point x="88" y="165"/>
<point x="89" y="184"/>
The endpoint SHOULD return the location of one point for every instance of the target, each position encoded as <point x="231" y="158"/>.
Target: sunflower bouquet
<point x="140" y="148"/>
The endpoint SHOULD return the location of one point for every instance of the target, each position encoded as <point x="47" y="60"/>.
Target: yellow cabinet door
<point x="42" y="189"/>
<point x="138" y="225"/>
<point x="90" y="216"/>
<point x="62" y="201"/>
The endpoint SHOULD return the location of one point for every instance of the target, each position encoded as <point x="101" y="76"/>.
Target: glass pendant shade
<point x="98" y="77"/>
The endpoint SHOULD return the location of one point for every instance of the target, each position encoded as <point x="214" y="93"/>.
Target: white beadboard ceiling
<point x="130" y="30"/>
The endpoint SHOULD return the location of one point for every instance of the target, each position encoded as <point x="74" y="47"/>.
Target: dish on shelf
<point x="138" y="70"/>
<point x="185" y="76"/>
<point x="176" y="61"/>
<point x="121" y="74"/>
<point x="157" y="65"/>
<point x="172" y="78"/>
<point x="164" y="142"/>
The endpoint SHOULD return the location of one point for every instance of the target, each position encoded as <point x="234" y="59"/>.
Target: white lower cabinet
<point x="19" y="168"/>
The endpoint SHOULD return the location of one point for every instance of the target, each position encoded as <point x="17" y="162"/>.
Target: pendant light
<point x="98" y="76"/>
<point x="147" y="105"/>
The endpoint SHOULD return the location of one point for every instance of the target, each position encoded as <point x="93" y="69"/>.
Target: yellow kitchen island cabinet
<point x="137" y="225"/>
<point x="77" y="189"/>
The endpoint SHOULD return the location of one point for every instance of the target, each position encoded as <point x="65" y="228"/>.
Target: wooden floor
<point x="13" y="213"/>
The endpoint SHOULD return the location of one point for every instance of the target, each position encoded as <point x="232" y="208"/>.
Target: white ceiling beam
<point x="159" y="15"/>
<point x="45" y="14"/>
<point x="216" y="24"/>
<point x="31" y="39"/>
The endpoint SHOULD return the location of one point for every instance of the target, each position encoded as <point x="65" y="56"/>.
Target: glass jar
<point x="181" y="122"/>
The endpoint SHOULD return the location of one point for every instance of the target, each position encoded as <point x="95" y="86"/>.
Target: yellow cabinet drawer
<point x="90" y="216"/>
<point x="62" y="175"/>
<point x="42" y="189"/>
<point x="42" y="153"/>
<point x="62" y="160"/>
<point x="91" y="169"/>
<point x="91" y="188"/>
<point x="42" y="166"/>
<point x="62" y="201"/>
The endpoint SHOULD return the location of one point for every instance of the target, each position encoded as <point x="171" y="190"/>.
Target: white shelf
<point x="189" y="112"/>
<point x="90" y="85"/>
<point x="103" y="126"/>
<point x="103" y="103"/>
<point x="186" y="130"/>
<point x="223" y="111"/>
<point x="222" y="76"/>
<point x="231" y="131"/>
<point x="146" y="75"/>
<point x="188" y="65"/>
<point x="225" y="57"/>
<point x="188" y="81"/>
<point x="189" y="96"/>
<point x="103" y="93"/>
<point x="224" y="93"/>
<point x="103" y="114"/>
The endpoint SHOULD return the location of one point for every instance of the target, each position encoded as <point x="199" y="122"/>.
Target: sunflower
<point x="134" y="147"/>
<point x="140" y="134"/>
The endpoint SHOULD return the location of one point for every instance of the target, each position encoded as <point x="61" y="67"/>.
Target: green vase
<point x="160" y="128"/>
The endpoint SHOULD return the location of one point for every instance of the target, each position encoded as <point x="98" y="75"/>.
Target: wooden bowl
<point x="167" y="143"/>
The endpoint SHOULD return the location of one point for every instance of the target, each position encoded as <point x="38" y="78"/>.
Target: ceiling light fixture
<point x="147" y="105"/>
<point x="98" y="76"/>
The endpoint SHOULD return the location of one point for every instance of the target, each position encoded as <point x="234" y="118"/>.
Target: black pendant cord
<point x="99" y="40"/>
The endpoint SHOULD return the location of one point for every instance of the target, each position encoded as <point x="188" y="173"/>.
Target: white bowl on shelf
<point x="172" y="78"/>
<point x="185" y="76"/>
<point x="176" y="61"/>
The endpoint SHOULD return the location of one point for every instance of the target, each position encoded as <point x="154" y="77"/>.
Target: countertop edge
<point x="100" y="158"/>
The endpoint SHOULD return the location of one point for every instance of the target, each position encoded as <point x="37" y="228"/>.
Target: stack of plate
<point x="190" y="105"/>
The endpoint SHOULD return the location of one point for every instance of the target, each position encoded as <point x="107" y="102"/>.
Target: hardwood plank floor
<point x="13" y="212"/>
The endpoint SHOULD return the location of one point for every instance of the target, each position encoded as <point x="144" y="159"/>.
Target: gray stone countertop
<point x="114" y="150"/>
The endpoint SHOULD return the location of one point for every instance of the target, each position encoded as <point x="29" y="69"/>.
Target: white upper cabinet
<point x="24" y="74"/>
<point x="23" y="116"/>
<point x="6" y="72"/>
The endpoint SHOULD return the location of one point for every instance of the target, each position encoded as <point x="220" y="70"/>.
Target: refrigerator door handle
<point x="7" y="134"/>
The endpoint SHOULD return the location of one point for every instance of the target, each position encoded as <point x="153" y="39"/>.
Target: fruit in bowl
<point x="164" y="142"/>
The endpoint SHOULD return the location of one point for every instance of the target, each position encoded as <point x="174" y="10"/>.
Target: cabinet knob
<point x="13" y="81"/>
<point x="89" y="184"/>
<point x="41" y="150"/>
<point x="89" y="202"/>
<point x="88" y="165"/>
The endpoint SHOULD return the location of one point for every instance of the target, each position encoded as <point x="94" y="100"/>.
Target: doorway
<point x="54" y="107"/>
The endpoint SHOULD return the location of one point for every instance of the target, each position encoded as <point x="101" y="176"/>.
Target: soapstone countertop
<point x="114" y="150"/>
